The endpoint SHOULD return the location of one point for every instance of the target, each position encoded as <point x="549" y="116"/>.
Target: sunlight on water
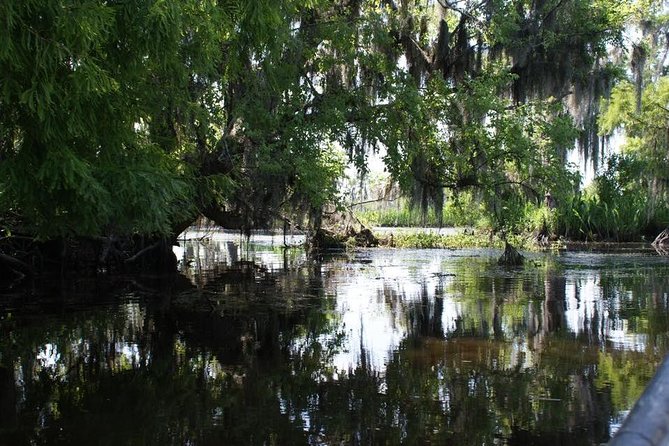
<point x="369" y="296"/>
<point x="257" y="344"/>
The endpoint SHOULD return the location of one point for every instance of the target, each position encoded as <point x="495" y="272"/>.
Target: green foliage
<point x="615" y="207"/>
<point x="137" y="193"/>
<point x="432" y="240"/>
<point x="134" y="116"/>
<point x="471" y="137"/>
<point x="539" y="219"/>
<point x="630" y="197"/>
<point x="403" y="217"/>
<point x="317" y="178"/>
<point x="460" y="210"/>
<point x="85" y="87"/>
<point x="492" y="118"/>
<point x="633" y="189"/>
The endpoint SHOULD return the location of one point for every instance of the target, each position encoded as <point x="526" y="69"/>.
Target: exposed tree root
<point x="326" y="240"/>
<point x="662" y="239"/>
<point x="661" y="243"/>
<point x="511" y="256"/>
<point x="338" y="230"/>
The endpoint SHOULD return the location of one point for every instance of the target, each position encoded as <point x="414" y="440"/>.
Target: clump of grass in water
<point x="428" y="240"/>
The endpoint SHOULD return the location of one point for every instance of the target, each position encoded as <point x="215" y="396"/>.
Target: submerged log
<point x="511" y="256"/>
<point x="144" y="251"/>
<point x="157" y="257"/>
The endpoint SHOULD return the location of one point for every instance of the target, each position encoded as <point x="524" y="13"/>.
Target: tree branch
<point x="16" y="264"/>
<point x="143" y="251"/>
<point x="376" y="200"/>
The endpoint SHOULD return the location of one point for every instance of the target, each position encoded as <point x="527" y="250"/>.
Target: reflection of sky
<point x="376" y="296"/>
<point x="55" y="359"/>
<point x="48" y="356"/>
<point x="372" y="300"/>
<point x="376" y="289"/>
<point x="202" y="250"/>
<point x="586" y="304"/>
<point x="367" y="323"/>
<point x="583" y="303"/>
<point x="367" y="296"/>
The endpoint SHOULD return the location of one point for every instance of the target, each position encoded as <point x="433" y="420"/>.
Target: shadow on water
<point x="259" y="345"/>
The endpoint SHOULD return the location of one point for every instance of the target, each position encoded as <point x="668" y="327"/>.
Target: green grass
<point x="464" y="211"/>
<point x="398" y="218"/>
<point x="480" y="239"/>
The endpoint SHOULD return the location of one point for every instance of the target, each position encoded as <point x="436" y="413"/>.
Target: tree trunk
<point x="7" y="398"/>
<point x="511" y="256"/>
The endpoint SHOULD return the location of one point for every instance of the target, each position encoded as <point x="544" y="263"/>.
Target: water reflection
<point x="260" y="345"/>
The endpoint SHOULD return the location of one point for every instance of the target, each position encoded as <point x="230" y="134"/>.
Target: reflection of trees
<point x="8" y="397"/>
<point x="638" y="299"/>
<point x="246" y="358"/>
<point x="548" y="386"/>
<point x="208" y="372"/>
<point x="459" y="392"/>
<point x="424" y="314"/>
<point x="554" y="300"/>
<point x="512" y="369"/>
<point x="625" y="375"/>
<point x="549" y="317"/>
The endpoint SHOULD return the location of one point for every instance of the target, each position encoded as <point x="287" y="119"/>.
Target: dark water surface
<point x="380" y="347"/>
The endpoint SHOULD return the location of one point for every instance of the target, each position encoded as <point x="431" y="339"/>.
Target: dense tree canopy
<point x="135" y="117"/>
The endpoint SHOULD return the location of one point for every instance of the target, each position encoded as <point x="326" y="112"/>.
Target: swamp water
<point x="378" y="347"/>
